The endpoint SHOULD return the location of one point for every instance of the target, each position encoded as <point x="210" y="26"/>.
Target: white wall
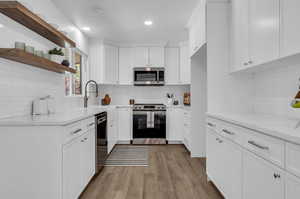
<point x="226" y="93"/>
<point x="121" y="94"/>
<point x="274" y="90"/>
<point x="199" y="101"/>
<point x="19" y="83"/>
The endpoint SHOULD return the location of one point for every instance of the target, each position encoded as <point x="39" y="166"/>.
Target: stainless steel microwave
<point x="149" y="76"/>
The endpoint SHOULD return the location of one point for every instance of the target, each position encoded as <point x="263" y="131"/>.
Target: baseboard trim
<point x="174" y="142"/>
<point x="124" y="142"/>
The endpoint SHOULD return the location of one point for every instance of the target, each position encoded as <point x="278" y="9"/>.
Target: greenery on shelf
<point x="56" y="51"/>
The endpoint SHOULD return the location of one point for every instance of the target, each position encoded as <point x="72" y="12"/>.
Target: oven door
<point x="149" y="124"/>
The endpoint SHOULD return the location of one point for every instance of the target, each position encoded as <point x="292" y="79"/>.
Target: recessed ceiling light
<point x="86" y="28"/>
<point x="148" y="23"/>
<point x="1" y="25"/>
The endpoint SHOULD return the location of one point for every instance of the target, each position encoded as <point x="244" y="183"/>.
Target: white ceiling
<point x="123" y="20"/>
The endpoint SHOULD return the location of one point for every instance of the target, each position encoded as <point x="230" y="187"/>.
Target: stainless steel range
<point x="149" y="124"/>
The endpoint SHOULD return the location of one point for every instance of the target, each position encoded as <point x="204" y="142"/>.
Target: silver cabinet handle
<point x="219" y="140"/>
<point x="276" y="175"/>
<point x="211" y="124"/>
<point x="258" y="145"/>
<point x="75" y="132"/>
<point x="228" y="132"/>
<point x="91" y="124"/>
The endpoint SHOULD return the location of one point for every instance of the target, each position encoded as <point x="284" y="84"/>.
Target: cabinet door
<point x="264" y="30"/>
<point x="185" y="65"/>
<point x="292" y="187"/>
<point x="232" y="169"/>
<point x="110" y="64"/>
<point x="126" y="65"/>
<point x="239" y="34"/>
<point x="124" y="124"/>
<point x="95" y="61"/>
<point x="157" y="56"/>
<point x="141" y="56"/>
<point x="290" y="27"/>
<point x="175" y="128"/>
<point x="111" y="129"/>
<point x="224" y="164"/>
<point x="261" y="179"/>
<point x="72" y="182"/>
<point x="87" y="157"/>
<point x="214" y="158"/>
<point x="172" y="65"/>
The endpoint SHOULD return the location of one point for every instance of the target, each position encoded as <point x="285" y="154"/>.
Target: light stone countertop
<point x="279" y="127"/>
<point x="56" y="119"/>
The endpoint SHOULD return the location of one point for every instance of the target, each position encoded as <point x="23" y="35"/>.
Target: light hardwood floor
<point x="171" y="174"/>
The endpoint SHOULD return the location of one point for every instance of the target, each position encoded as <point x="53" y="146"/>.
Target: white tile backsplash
<point x="274" y="90"/>
<point x="121" y="94"/>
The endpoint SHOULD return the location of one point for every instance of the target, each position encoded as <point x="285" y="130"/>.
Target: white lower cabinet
<point x="262" y="180"/>
<point x="71" y="170"/>
<point x="174" y="128"/>
<point x="242" y="173"/>
<point x="292" y="189"/>
<point x="88" y="156"/>
<point x="78" y="164"/>
<point x="112" y="129"/>
<point x="187" y="129"/>
<point x="224" y="165"/>
<point x="124" y="124"/>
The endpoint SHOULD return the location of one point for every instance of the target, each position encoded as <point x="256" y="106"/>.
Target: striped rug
<point x="128" y="155"/>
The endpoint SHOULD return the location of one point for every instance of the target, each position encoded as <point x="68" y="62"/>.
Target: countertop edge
<point x="260" y="129"/>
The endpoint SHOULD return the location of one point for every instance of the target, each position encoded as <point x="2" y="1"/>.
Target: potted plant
<point x="57" y="55"/>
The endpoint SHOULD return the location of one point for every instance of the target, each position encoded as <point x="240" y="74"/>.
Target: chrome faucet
<point x="85" y="92"/>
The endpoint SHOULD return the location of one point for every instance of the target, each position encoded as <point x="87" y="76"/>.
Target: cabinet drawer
<point x="232" y="132"/>
<point x="89" y="123"/>
<point x="271" y="149"/>
<point x="292" y="159"/>
<point x="73" y="131"/>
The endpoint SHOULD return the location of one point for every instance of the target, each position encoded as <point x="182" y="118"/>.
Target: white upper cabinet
<point x="185" y="64"/>
<point x="255" y="32"/>
<point x="141" y="56"/>
<point x="110" y="64"/>
<point x="239" y="34"/>
<point x="157" y="57"/>
<point x="126" y="65"/>
<point x="264" y="31"/>
<point x="149" y="56"/>
<point x="104" y="63"/>
<point x="290" y="27"/>
<point x="95" y="56"/>
<point x="172" y="65"/>
<point x="197" y="28"/>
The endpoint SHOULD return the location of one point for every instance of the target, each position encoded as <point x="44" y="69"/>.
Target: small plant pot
<point x="57" y="58"/>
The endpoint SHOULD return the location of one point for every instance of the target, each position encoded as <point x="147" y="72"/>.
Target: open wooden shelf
<point x="30" y="59"/>
<point x="22" y="15"/>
